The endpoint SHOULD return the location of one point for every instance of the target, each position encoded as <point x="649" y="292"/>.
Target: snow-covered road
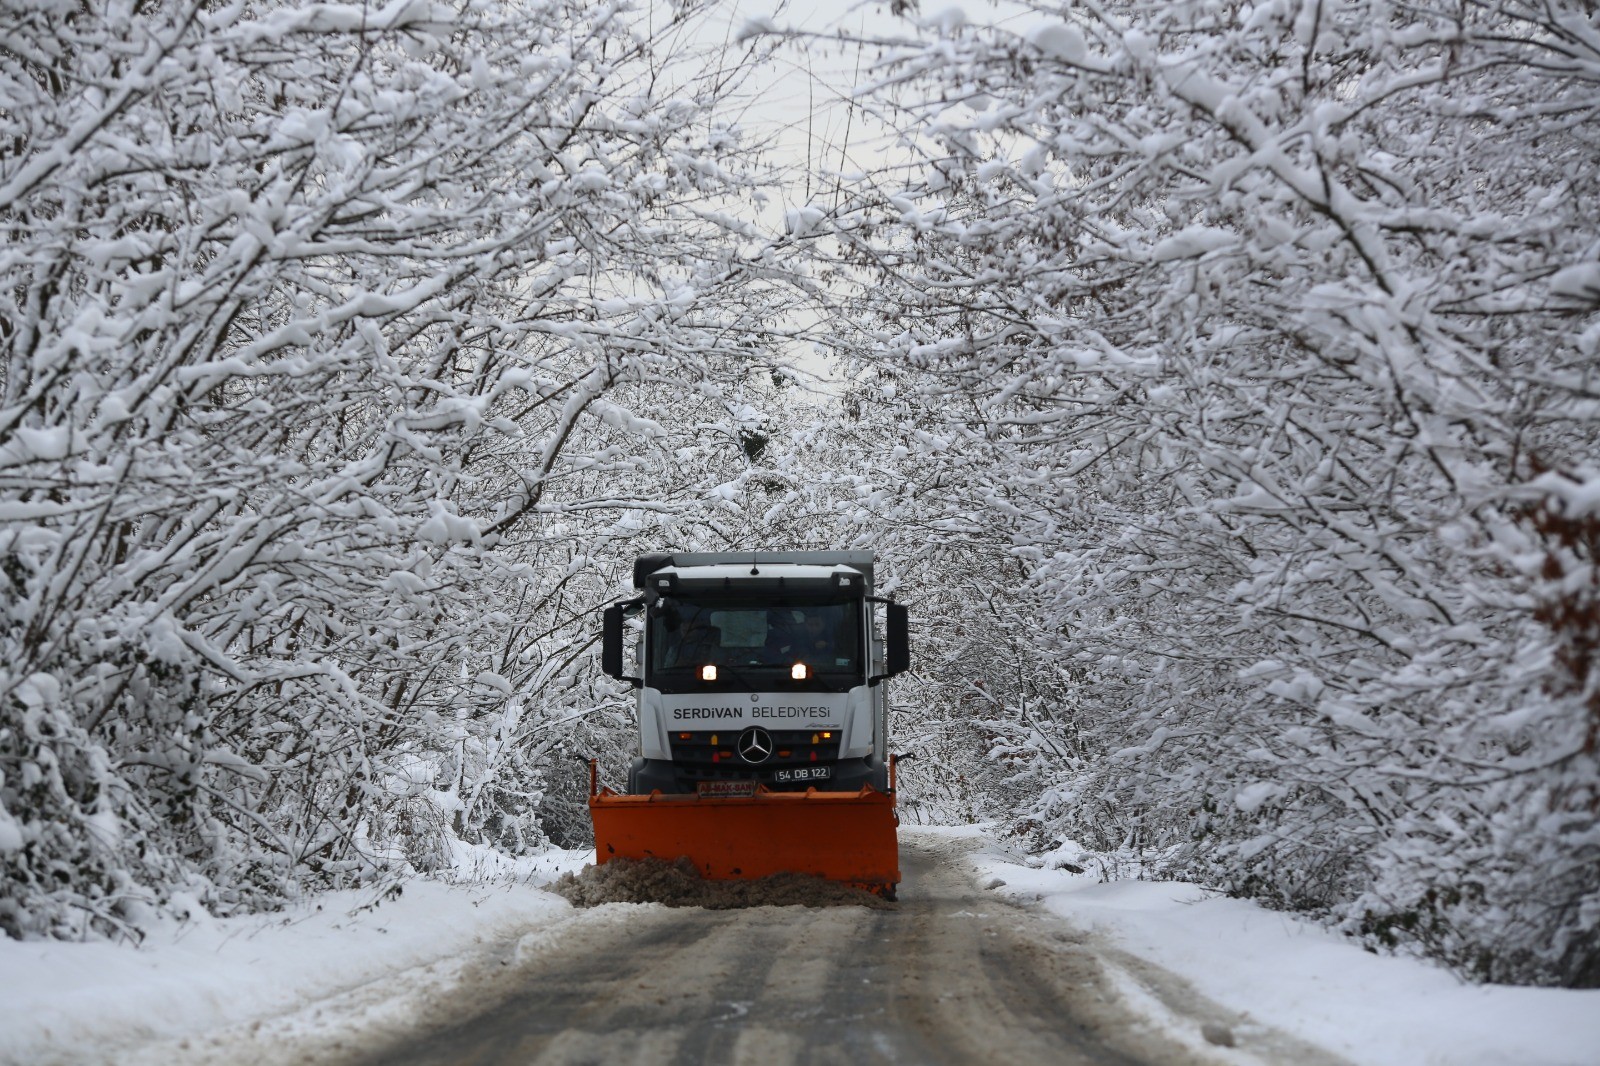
<point x="947" y="976"/>
<point x="983" y="960"/>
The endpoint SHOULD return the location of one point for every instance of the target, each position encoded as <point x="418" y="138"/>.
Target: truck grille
<point x="711" y="756"/>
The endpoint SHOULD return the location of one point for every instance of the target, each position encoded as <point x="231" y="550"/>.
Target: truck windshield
<point x="755" y="645"/>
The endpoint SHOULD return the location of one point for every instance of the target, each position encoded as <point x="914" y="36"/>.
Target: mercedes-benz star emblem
<point x="755" y="745"/>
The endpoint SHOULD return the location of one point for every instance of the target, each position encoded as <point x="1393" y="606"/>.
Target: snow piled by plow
<point x="678" y="884"/>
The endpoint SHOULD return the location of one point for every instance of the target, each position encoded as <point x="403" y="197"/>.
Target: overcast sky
<point x="802" y="94"/>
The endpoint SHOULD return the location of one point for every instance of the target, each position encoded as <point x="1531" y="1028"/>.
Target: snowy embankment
<point x="84" y="1003"/>
<point x="1299" y="977"/>
<point x="99" y="1002"/>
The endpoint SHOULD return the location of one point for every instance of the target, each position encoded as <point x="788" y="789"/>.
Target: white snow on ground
<point x="82" y="1003"/>
<point x="95" y="1002"/>
<point x="1301" y="978"/>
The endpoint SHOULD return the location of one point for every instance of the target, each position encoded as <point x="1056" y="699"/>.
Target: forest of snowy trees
<point x="1219" y="382"/>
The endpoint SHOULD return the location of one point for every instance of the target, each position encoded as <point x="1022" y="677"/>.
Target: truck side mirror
<point x="897" y="642"/>
<point x="611" y="646"/>
<point x="898" y="649"/>
<point x="611" y="643"/>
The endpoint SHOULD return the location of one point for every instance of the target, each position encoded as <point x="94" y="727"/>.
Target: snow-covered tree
<point x="1275" y="328"/>
<point x="337" y="340"/>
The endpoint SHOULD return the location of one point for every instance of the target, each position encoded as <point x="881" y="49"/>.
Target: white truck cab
<point x="759" y="667"/>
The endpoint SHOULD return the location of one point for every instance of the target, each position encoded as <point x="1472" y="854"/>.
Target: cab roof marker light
<point x="708" y="673"/>
<point x="799" y="671"/>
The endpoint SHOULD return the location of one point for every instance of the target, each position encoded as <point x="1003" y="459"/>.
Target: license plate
<point x="804" y="773"/>
<point x="726" y="788"/>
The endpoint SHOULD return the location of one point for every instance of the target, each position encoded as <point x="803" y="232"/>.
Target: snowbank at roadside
<point x="1300" y="978"/>
<point x="86" y="1003"/>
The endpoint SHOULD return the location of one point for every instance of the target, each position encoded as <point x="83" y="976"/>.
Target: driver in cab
<point x="812" y="640"/>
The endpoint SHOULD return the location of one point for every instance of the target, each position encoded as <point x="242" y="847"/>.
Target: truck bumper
<point x="849" y="775"/>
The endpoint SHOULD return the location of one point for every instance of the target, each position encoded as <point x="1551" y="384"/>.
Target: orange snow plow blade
<point x="847" y="837"/>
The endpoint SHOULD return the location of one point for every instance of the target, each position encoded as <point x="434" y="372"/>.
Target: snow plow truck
<point x="763" y="717"/>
